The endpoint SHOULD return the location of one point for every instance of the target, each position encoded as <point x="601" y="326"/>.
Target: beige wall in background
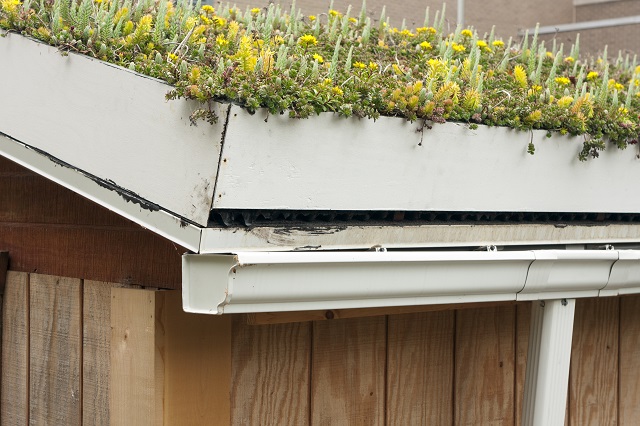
<point x="508" y="16"/>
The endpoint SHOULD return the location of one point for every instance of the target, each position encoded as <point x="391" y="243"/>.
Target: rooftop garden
<point x="348" y="63"/>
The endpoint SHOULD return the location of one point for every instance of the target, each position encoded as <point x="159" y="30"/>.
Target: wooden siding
<point x="49" y="229"/>
<point x="456" y="367"/>
<point x="82" y="352"/>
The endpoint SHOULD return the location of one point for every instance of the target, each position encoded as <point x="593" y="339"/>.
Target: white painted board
<point x="331" y="163"/>
<point x="109" y="122"/>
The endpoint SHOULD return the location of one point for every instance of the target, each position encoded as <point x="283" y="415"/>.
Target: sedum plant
<point x="346" y="63"/>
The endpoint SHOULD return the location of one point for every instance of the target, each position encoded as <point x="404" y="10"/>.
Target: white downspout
<point x="548" y="362"/>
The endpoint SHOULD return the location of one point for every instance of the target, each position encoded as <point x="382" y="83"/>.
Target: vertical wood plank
<point x="270" y="374"/>
<point x="523" y="324"/>
<point x="96" y="343"/>
<point x="4" y="263"/>
<point x="420" y="368"/>
<point x="55" y="389"/>
<point x="629" y="360"/>
<point x="348" y="371"/>
<point x="197" y="366"/>
<point x="137" y="350"/>
<point x="593" y="385"/>
<point x="14" y="406"/>
<point x="485" y="363"/>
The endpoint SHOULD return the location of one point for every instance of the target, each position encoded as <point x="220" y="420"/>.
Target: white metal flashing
<point x="298" y="281"/>
<point x="272" y="238"/>
<point x="158" y="221"/>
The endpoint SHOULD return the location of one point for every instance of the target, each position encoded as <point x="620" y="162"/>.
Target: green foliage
<point x="305" y="65"/>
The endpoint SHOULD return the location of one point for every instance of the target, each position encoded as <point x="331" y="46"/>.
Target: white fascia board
<point x="144" y="214"/>
<point x="274" y="238"/>
<point x="297" y="281"/>
<point x="272" y="282"/>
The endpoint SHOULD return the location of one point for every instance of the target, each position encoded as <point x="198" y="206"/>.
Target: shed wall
<point x="49" y="229"/>
<point x="95" y="353"/>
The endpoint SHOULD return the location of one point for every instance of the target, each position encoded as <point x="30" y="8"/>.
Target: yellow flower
<point x="569" y="60"/>
<point x="219" y="22"/>
<point x="172" y="57"/>
<point x="565" y="101"/>
<point x="563" y="81"/>
<point x="277" y="40"/>
<point x="425" y="45"/>
<point x="128" y="28"/>
<point x="481" y="44"/>
<point x="623" y="110"/>
<point x="307" y="40"/>
<point x="120" y="13"/>
<point x="353" y="20"/>
<point x="382" y="44"/>
<point x="637" y="70"/>
<point x="221" y="41"/>
<point x="467" y="33"/>
<point x="521" y="76"/>
<point x="255" y="10"/>
<point x="337" y="91"/>
<point x="458" y="47"/>
<point x="335" y="13"/>
<point x="312" y="18"/>
<point x="592" y="75"/>
<point x="534" y="116"/>
<point x="373" y="66"/>
<point x="407" y="33"/>
<point x="10" y="6"/>
<point x="396" y="69"/>
<point x="550" y="55"/>
<point x="615" y="85"/>
<point x="359" y="65"/>
<point x="498" y="43"/>
<point x="207" y="8"/>
<point x="43" y="32"/>
<point x="318" y="58"/>
<point x="194" y="75"/>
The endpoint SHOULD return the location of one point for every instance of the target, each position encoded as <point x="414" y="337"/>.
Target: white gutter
<point x="298" y="281"/>
<point x="585" y="25"/>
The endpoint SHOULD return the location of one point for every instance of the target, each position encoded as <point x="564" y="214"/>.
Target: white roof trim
<point x="139" y="211"/>
<point x="298" y="281"/>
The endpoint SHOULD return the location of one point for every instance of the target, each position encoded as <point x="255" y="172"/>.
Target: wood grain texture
<point x="324" y="315"/>
<point x="4" y="265"/>
<point x="593" y="383"/>
<point x="523" y="325"/>
<point x="348" y="372"/>
<point x="96" y="344"/>
<point x="137" y="350"/>
<point x="55" y="388"/>
<point x="51" y="230"/>
<point x="270" y="374"/>
<point x="484" y="366"/>
<point x="48" y="202"/>
<point x="96" y="253"/>
<point x="420" y="369"/>
<point x="14" y="405"/>
<point x="629" y="403"/>
<point x="197" y="365"/>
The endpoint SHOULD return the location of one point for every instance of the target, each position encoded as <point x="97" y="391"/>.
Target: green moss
<point x="305" y="65"/>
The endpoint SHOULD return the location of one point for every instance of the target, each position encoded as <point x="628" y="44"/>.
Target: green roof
<point x="347" y="63"/>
